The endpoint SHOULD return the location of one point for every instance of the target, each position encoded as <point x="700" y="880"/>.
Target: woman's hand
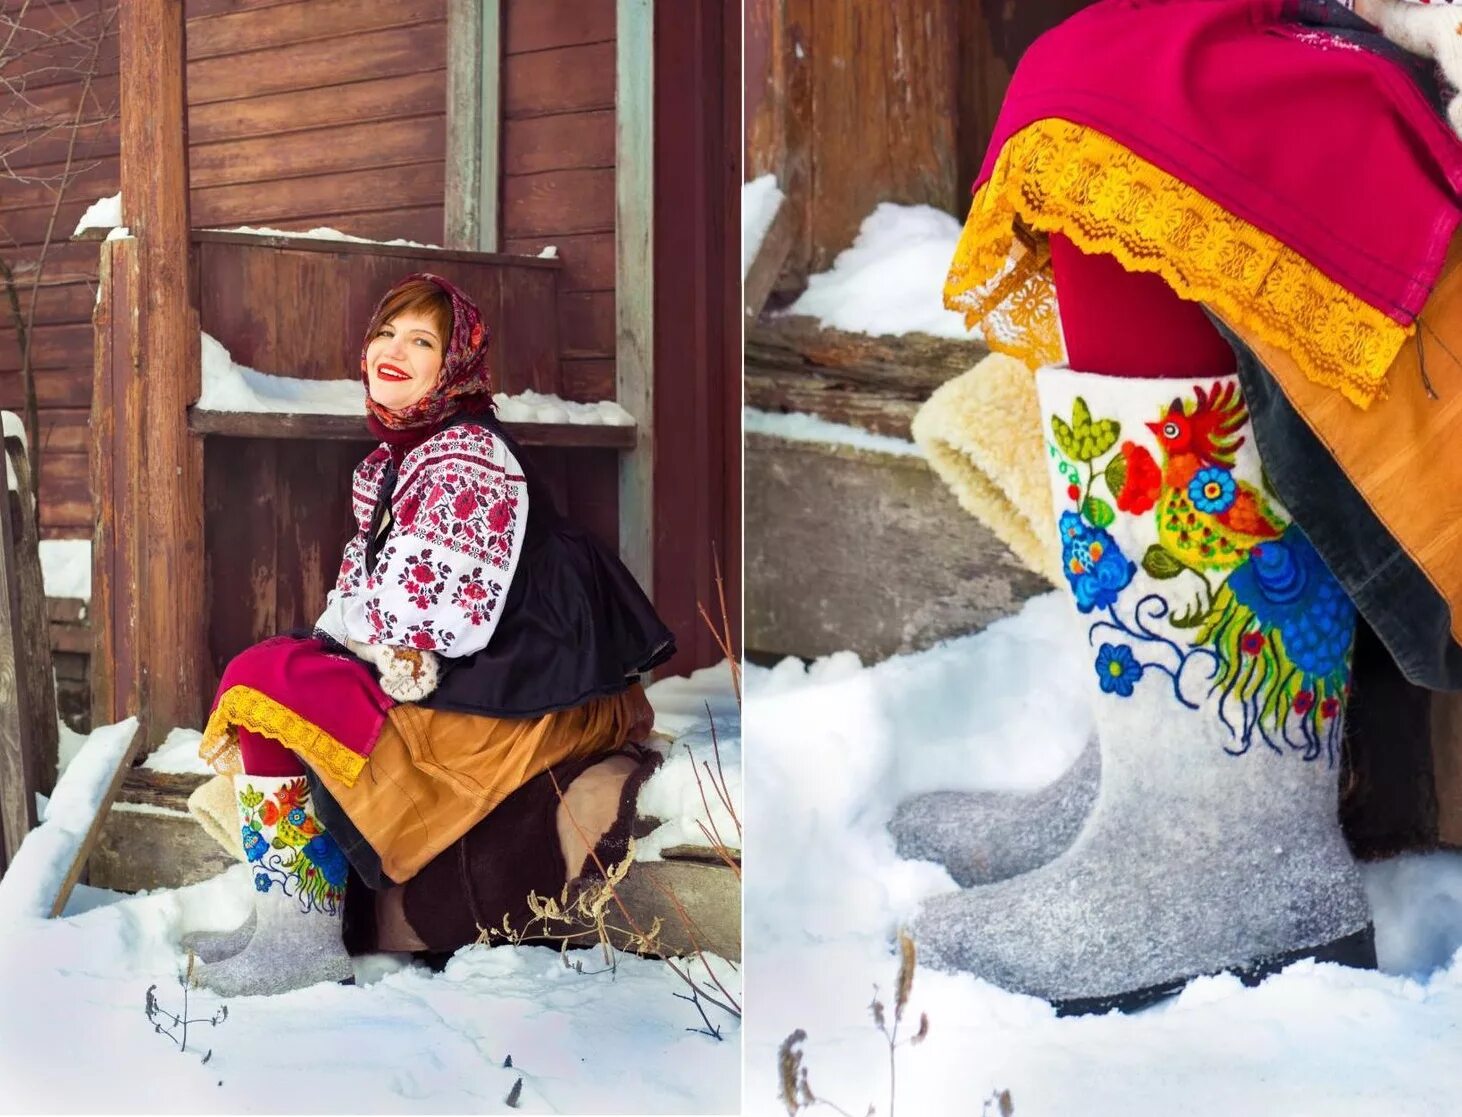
<point x="407" y="675"/>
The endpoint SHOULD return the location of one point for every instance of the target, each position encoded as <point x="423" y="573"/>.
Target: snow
<point x="66" y="567"/>
<point x="105" y="213"/>
<point x="121" y="232"/>
<point x="321" y="232"/>
<point x="178" y="753"/>
<point x="403" y="1040"/>
<point x="760" y="200"/>
<point x="673" y="793"/>
<point x="800" y="427"/>
<point x="892" y="280"/>
<point x="13" y="426"/>
<point x="34" y="876"/>
<point x="838" y="744"/>
<point x="230" y="386"/>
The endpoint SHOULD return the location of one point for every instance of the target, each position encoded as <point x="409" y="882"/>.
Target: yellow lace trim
<point x="1059" y="176"/>
<point x="257" y="712"/>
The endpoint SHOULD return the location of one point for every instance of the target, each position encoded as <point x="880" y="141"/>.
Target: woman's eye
<point x="424" y="341"/>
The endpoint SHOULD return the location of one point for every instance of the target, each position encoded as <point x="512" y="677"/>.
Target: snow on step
<point x="34" y="877"/>
<point x="66" y="567"/>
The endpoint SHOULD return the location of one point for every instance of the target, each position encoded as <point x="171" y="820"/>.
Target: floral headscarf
<point x="464" y="381"/>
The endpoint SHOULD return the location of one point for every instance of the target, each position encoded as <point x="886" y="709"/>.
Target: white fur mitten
<point x="407" y="675"/>
<point x="1431" y="30"/>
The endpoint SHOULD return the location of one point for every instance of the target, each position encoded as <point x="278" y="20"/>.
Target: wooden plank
<point x="93" y="832"/>
<point x="634" y="233"/>
<point x="558" y="202"/>
<point x="530" y="345"/>
<point x="559" y="142"/>
<point x="588" y="380"/>
<point x="50" y="347"/>
<point x="244" y="33"/>
<point x="464" y="123"/>
<point x="322" y="198"/>
<point x="274" y="114"/>
<point x="771" y="258"/>
<point x="65" y="387"/>
<point x="18" y="777"/>
<point x="41" y="106"/>
<point x="59" y="61"/>
<point x="232" y="424"/>
<point x="240" y="526"/>
<point x="588" y="258"/>
<point x="533" y="25"/>
<point x="34" y="671"/>
<point x="170" y="513"/>
<point x="417" y="255"/>
<point x="100" y="462"/>
<point x="331" y="149"/>
<point x="562" y="79"/>
<point x="586" y="324"/>
<point x="320" y="64"/>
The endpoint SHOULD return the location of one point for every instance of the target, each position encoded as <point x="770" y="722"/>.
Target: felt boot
<point x="214" y="946"/>
<point x="1220" y="650"/>
<point x="299" y="880"/>
<point x="985" y="836"/>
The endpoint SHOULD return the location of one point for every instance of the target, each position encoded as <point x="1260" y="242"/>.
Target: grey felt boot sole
<point x="214" y="946"/>
<point x="1219" y="682"/>
<point x="985" y="836"/>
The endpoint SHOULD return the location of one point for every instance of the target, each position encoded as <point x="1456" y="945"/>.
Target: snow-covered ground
<point x="891" y="281"/>
<point x="74" y="1038"/>
<point x="834" y="746"/>
<point x="230" y="386"/>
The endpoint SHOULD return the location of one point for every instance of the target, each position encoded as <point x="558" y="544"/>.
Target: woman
<point x="1161" y="172"/>
<point x="477" y="657"/>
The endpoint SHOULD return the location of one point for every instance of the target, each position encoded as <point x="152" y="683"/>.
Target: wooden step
<point x="150" y="841"/>
<point x="352" y="428"/>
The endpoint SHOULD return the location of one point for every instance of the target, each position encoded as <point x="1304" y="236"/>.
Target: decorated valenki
<point x="1212" y="631"/>
<point x="1237" y="609"/>
<point x="292" y="937"/>
<point x="302" y="860"/>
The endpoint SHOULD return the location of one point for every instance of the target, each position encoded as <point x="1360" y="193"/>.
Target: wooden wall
<point x="865" y="101"/>
<point x="301" y="113"/>
<point x="558" y="168"/>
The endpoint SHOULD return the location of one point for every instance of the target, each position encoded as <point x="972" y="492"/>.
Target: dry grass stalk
<point x="797" y="1095"/>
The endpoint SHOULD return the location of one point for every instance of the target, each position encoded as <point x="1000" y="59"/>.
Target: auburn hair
<point x="425" y="298"/>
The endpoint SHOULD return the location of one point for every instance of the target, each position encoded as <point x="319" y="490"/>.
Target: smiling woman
<point x="478" y="653"/>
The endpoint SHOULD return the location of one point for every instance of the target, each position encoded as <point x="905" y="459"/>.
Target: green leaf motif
<point x="1184" y="620"/>
<point x="1160" y="563"/>
<point x="1116" y="474"/>
<point x="1085" y="439"/>
<point x="250" y="798"/>
<point x="1098" y="512"/>
<point x="1065" y="439"/>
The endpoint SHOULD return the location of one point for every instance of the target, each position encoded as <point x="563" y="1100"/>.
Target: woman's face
<point x="404" y="360"/>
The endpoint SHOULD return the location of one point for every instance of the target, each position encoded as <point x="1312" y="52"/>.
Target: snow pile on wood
<point x="178" y="754"/>
<point x="836" y="745"/>
<point x="66" y="567"/>
<point x="13" y="426"/>
<point x="105" y="213"/>
<point x="230" y="386"/>
<point x="322" y="232"/>
<point x="892" y="280"/>
<point x="33" y="879"/>
<point x="674" y="793"/>
<point x="761" y="198"/>
<point x="800" y="427"/>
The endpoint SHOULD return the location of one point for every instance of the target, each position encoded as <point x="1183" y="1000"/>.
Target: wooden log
<point x="169" y="516"/>
<point x="34" y="669"/>
<point x="771" y="257"/>
<point x="855" y="549"/>
<point x="350" y="428"/>
<point x="910" y="364"/>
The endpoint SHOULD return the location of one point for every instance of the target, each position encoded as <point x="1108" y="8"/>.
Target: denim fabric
<point x="1389" y="590"/>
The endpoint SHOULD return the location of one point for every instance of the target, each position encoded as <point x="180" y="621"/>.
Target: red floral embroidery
<point x="475" y="596"/>
<point x="1143" y="483"/>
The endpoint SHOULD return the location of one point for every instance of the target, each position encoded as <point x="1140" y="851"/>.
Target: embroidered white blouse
<point x="458" y="515"/>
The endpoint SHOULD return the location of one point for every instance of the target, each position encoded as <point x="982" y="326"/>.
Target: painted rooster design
<point x="310" y="865"/>
<point x="1274" y="623"/>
